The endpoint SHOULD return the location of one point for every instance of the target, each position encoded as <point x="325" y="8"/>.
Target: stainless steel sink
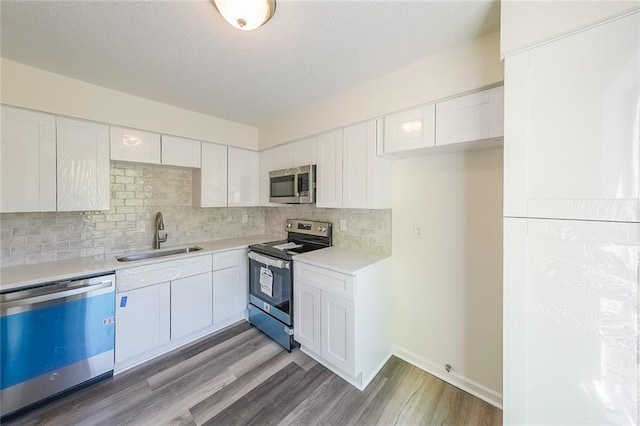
<point x="155" y="254"/>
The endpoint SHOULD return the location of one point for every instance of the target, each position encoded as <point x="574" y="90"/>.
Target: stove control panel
<point x="309" y="227"/>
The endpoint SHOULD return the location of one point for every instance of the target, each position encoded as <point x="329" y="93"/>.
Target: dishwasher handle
<point x="55" y="291"/>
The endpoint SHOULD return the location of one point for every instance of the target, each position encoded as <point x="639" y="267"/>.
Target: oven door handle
<point x="269" y="261"/>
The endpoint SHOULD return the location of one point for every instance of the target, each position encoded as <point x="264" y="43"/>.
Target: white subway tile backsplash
<point x="138" y="192"/>
<point x="367" y="230"/>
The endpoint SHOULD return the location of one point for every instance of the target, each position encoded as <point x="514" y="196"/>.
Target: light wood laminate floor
<point x="239" y="376"/>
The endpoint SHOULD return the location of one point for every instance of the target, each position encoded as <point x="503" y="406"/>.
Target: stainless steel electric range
<point x="271" y="277"/>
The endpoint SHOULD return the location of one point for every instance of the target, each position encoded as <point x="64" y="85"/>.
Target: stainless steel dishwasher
<point x="55" y="337"/>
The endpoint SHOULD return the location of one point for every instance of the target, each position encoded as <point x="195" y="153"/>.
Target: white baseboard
<point x="470" y="386"/>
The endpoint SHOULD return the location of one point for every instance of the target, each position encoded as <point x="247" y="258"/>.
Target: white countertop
<point x="346" y="261"/>
<point x="14" y="277"/>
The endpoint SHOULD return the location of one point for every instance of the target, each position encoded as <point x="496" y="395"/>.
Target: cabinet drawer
<point x="324" y="279"/>
<point x="143" y="276"/>
<point x="227" y="259"/>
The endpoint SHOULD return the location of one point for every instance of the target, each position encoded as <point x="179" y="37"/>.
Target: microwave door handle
<point x="296" y="190"/>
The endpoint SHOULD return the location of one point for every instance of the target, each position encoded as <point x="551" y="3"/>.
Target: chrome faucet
<point x="157" y="237"/>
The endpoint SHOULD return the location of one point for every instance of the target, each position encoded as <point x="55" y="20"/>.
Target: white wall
<point x="448" y="283"/>
<point x="462" y="68"/>
<point x="447" y="286"/>
<point x="527" y="23"/>
<point x="33" y="88"/>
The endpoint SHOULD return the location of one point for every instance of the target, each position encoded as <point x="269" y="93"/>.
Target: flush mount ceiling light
<point x="246" y="14"/>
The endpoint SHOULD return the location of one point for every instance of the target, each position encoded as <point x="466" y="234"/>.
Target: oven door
<point x="271" y="286"/>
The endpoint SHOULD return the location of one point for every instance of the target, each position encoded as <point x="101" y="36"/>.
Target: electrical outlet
<point x="245" y="218"/>
<point x="343" y="224"/>
<point x="140" y="226"/>
<point x="417" y="231"/>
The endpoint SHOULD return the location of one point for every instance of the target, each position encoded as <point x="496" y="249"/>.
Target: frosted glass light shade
<point x="246" y="14"/>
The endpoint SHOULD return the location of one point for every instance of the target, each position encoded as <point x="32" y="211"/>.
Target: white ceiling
<point x="184" y="54"/>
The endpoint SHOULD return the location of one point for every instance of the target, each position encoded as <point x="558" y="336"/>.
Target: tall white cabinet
<point x="28" y="160"/>
<point x="572" y="228"/>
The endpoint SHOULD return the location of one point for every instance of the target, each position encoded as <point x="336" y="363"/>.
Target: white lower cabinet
<point x="307" y="316"/>
<point x="337" y="325"/>
<point x="230" y="287"/>
<point x="191" y="305"/>
<point x="142" y="320"/>
<point x="164" y="305"/>
<point x="226" y="294"/>
<point x="338" y="322"/>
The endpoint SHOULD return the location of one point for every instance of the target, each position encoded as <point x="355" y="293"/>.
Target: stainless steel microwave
<point x="296" y="185"/>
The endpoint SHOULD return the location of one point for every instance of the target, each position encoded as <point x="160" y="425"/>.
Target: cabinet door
<point x="191" y="305"/>
<point x="471" y="117"/>
<point x="28" y="159"/>
<point x="359" y="152"/>
<point x="142" y="320"/>
<point x="134" y="145"/>
<point x="338" y="327"/>
<point x="570" y="288"/>
<point x="329" y="169"/>
<point x="284" y="157"/>
<point x="409" y="130"/>
<point x="243" y="177"/>
<point x="307" y="316"/>
<point x="571" y="128"/>
<point x="228" y="295"/>
<point x="83" y="165"/>
<point x="180" y="152"/>
<point x="304" y="152"/>
<point x="210" y="181"/>
<point x="267" y="160"/>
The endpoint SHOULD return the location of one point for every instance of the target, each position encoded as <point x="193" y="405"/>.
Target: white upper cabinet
<point x="180" y="152"/>
<point x="28" y="159"/>
<point x="366" y="177"/>
<point x="134" y="145"/>
<point x="350" y="173"/>
<point x="304" y="152"/>
<point x="329" y="169"/>
<point x="571" y="137"/>
<point x="83" y="165"/>
<point x="296" y="154"/>
<point x="471" y="117"/>
<point x="242" y="177"/>
<point x="266" y="162"/>
<point x="473" y="121"/>
<point x="409" y="130"/>
<point x="210" y="181"/>
<point x="283" y="157"/>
